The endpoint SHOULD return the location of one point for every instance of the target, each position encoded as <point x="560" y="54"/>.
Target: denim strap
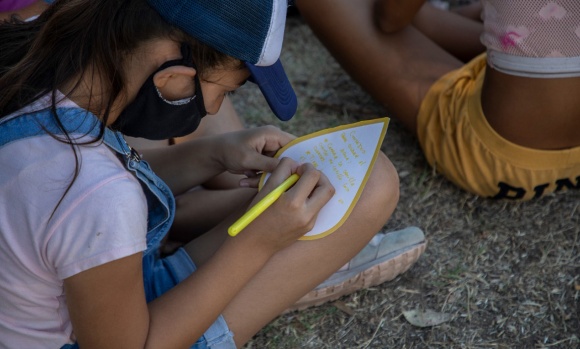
<point x="78" y="122"/>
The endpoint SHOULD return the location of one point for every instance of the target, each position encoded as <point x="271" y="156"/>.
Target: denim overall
<point x="160" y="201"/>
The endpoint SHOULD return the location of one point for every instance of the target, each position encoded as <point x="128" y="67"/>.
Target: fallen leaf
<point x="425" y="318"/>
<point x="342" y="306"/>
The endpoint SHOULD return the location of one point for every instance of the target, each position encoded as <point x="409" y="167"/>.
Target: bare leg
<point x="396" y="69"/>
<point x="203" y="208"/>
<point x="453" y="32"/>
<point x="226" y="120"/>
<point x="298" y="269"/>
<point x="472" y="11"/>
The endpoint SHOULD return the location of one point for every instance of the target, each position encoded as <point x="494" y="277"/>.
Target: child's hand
<point x="251" y="151"/>
<point x="295" y="212"/>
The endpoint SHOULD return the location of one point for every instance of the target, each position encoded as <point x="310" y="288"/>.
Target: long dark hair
<point x="77" y="37"/>
<point x="74" y="38"/>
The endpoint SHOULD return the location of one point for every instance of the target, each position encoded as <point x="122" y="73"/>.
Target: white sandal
<point x="385" y="257"/>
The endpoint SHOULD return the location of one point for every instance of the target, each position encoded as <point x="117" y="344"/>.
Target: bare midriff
<point x="533" y="112"/>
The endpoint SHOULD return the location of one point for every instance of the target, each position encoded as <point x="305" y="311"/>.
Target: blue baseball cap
<point x="249" y="30"/>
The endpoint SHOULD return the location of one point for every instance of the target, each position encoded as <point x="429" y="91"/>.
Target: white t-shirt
<point x="102" y="218"/>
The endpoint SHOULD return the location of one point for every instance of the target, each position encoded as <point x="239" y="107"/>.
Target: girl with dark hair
<point x="84" y="214"/>
<point x="197" y="216"/>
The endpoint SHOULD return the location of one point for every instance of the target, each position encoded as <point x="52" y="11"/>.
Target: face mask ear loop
<point x="198" y="97"/>
<point x="177" y="102"/>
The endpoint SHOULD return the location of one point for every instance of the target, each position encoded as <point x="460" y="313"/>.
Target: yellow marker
<point x="261" y="206"/>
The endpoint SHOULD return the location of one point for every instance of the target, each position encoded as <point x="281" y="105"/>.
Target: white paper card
<point x="345" y="154"/>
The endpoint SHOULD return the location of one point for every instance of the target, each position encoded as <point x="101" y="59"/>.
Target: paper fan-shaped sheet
<point x="346" y="155"/>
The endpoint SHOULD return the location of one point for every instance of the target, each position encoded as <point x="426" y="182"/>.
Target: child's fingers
<point x="250" y="182"/>
<point x="313" y="187"/>
<point x="285" y="169"/>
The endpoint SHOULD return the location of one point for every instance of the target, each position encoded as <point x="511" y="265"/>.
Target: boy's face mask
<point x="153" y="117"/>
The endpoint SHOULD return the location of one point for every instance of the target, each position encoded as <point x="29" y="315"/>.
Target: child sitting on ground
<point x="505" y="124"/>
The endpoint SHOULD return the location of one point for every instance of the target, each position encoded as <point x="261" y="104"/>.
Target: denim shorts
<point x="168" y="272"/>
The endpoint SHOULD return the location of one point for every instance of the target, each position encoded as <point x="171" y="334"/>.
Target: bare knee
<point x="392" y="16"/>
<point x="389" y="178"/>
<point x="381" y="193"/>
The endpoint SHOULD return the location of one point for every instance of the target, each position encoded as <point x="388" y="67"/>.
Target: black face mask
<point x="153" y="117"/>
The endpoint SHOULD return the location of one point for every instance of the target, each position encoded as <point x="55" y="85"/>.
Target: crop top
<point x="534" y="38"/>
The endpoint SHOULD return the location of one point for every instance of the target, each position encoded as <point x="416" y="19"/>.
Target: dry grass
<point x="508" y="273"/>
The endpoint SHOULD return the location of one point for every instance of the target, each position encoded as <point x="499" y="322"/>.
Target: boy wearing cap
<point x="81" y="236"/>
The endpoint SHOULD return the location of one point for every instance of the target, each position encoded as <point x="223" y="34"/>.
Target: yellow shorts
<point x="460" y="144"/>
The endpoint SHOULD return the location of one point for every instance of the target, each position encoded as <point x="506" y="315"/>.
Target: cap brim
<point x="276" y="88"/>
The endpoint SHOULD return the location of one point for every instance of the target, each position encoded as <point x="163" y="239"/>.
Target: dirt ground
<point x="507" y="274"/>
